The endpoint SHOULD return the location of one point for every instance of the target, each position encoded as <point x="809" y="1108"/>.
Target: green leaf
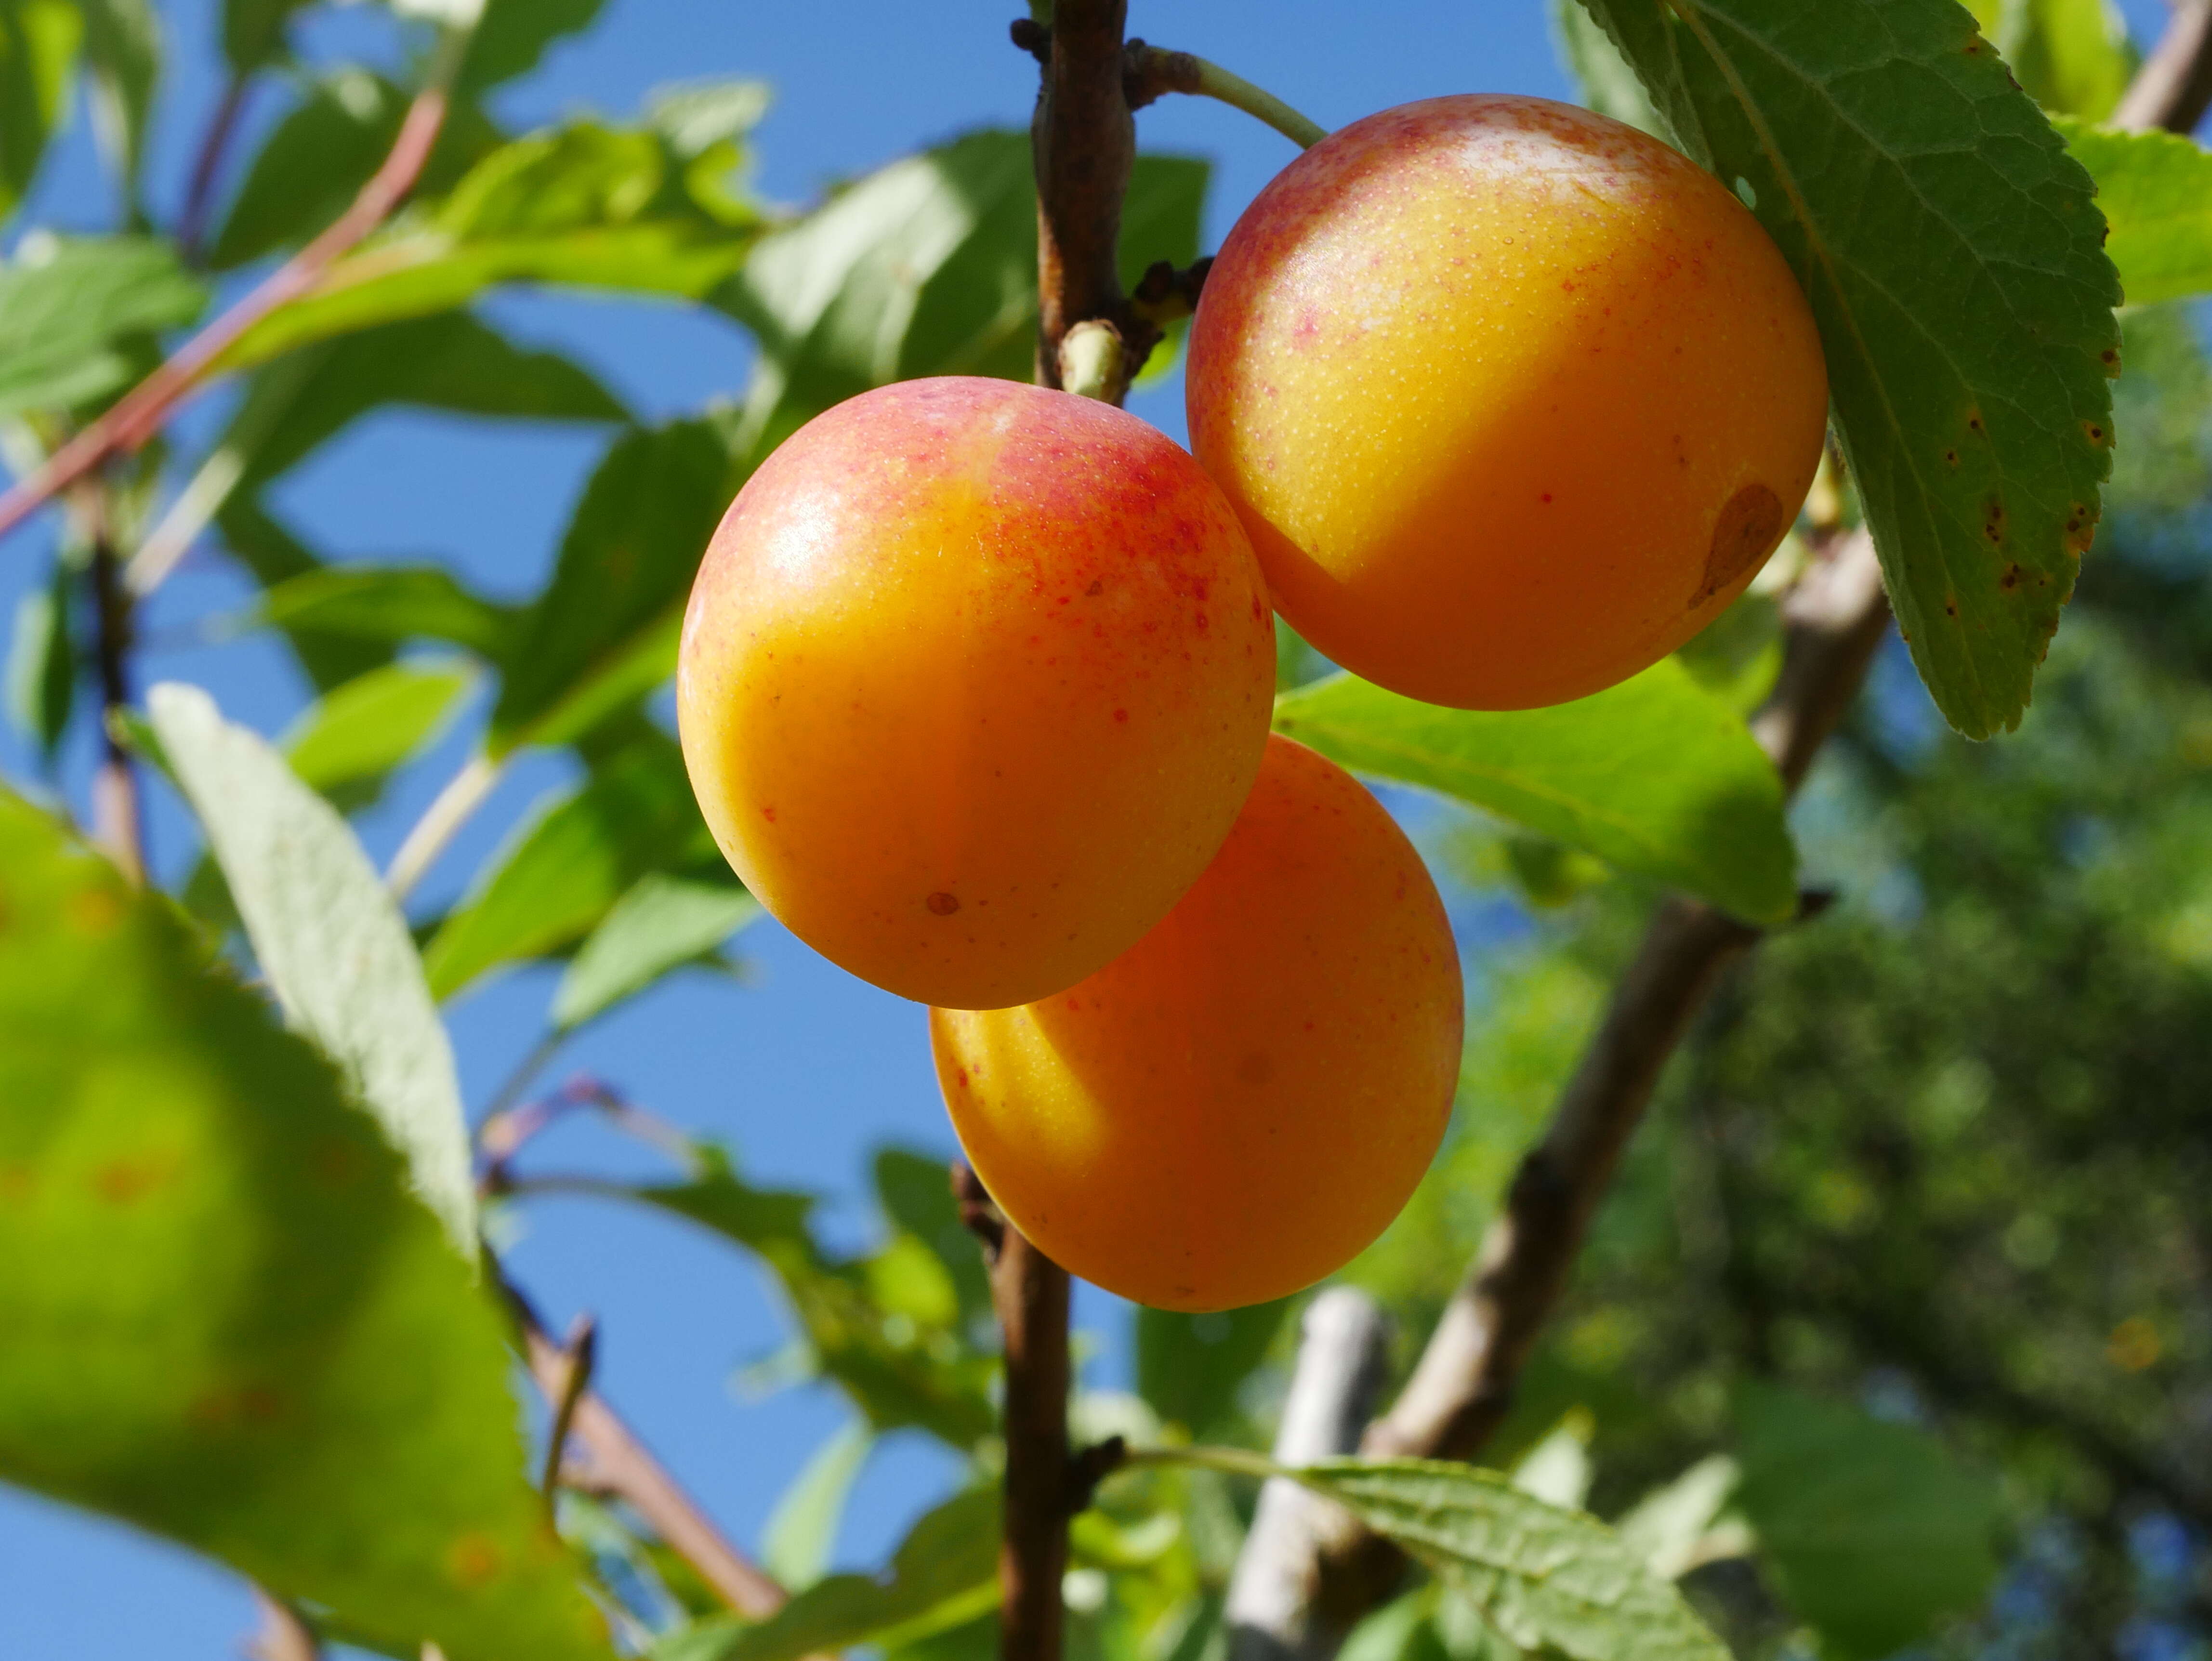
<point x="38" y="54"/>
<point x="1679" y="1527"/>
<point x="1656" y="775"/>
<point x="42" y="663"/>
<point x="604" y="631"/>
<point x="927" y="266"/>
<point x="1546" y="1578"/>
<point x="1871" y="1531"/>
<point x="512" y="35"/>
<point x="587" y="205"/>
<point x="122" y="61"/>
<point x="915" y="1192"/>
<point x="350" y="740"/>
<point x="1190" y="1367"/>
<point x="228" y="1322"/>
<point x="802" y="1530"/>
<point x="1953" y="257"/>
<point x="1601" y="75"/>
<point x="389" y="605"/>
<point x="333" y="943"/>
<point x="662" y="923"/>
<point x="454" y="362"/>
<point x="2152" y="187"/>
<point x="945" y="1572"/>
<point x="253" y="31"/>
<point x="2072" y="57"/>
<point x="65" y="316"/>
<point x="310" y="169"/>
<point x="562" y="871"/>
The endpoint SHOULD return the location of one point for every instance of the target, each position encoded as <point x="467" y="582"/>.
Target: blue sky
<point x="805" y="1070"/>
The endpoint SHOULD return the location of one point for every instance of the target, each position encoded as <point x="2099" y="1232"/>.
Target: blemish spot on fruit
<point x="1122" y="715"/>
<point x="1098" y="588"/>
<point x="1547" y="496"/>
<point x="1742" y="536"/>
<point x="942" y="904"/>
<point x="768" y="813"/>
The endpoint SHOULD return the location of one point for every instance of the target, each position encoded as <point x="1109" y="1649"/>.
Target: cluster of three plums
<point x="1497" y="402"/>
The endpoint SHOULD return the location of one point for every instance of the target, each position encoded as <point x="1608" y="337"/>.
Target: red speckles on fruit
<point x="1565" y="300"/>
<point x="879" y="644"/>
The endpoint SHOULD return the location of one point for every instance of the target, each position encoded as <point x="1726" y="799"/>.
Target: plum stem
<point x="1148" y="71"/>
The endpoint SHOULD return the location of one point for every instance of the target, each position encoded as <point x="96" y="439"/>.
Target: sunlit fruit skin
<point x="974" y="680"/>
<point x="1513" y="398"/>
<point x="1237" y="1106"/>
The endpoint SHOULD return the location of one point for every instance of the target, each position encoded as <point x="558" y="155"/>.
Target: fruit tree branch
<point x="142" y="411"/>
<point x="1043" y="1486"/>
<point x="1084" y="141"/>
<point x="614" y="1463"/>
<point x="2173" y="88"/>
<point x="1339" y="1374"/>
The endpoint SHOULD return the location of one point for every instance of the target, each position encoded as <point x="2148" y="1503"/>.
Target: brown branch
<point x="1043" y="1486"/>
<point x="2173" y="88"/>
<point x="1084" y="142"/>
<point x="1339" y="1372"/>
<point x="616" y="1464"/>
<point x="579" y="1356"/>
<point x="140" y="412"/>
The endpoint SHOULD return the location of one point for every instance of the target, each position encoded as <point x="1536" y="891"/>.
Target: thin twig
<point x="207" y="167"/>
<point x="441" y="822"/>
<point x="140" y="412"/>
<point x="1150" y="71"/>
<point x="617" y="1465"/>
<point x="2173" y="88"/>
<point x="578" y="1357"/>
